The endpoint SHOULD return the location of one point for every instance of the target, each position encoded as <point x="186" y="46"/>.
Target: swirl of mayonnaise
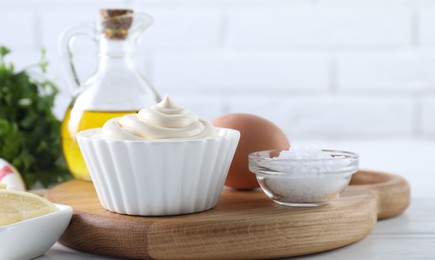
<point x="161" y="121"/>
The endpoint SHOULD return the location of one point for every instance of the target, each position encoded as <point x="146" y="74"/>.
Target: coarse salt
<point x="306" y="161"/>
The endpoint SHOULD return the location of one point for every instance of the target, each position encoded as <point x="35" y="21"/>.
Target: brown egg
<point x="256" y="134"/>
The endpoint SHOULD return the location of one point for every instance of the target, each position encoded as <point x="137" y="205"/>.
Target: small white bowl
<point x="31" y="238"/>
<point x="303" y="182"/>
<point x="158" y="177"/>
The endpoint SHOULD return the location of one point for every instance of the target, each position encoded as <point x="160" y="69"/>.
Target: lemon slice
<point x="16" y="206"/>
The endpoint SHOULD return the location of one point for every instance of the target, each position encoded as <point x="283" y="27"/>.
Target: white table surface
<point x="408" y="236"/>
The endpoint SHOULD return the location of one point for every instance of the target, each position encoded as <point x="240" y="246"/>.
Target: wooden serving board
<point x="244" y="224"/>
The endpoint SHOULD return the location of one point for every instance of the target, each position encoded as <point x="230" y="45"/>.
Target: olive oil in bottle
<point x="115" y="89"/>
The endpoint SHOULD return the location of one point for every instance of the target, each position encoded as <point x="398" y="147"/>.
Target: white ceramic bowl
<point x="158" y="177"/>
<point x="33" y="237"/>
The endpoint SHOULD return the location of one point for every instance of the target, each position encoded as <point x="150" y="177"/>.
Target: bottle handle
<point x="69" y="71"/>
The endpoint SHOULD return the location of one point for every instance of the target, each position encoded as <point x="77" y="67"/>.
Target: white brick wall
<point x="18" y="29"/>
<point x="426" y="29"/>
<point x="319" y="27"/>
<point x="390" y="72"/>
<point x="181" y="27"/>
<point x="332" y="69"/>
<point x="332" y="116"/>
<point x="242" y="71"/>
<point x="428" y="116"/>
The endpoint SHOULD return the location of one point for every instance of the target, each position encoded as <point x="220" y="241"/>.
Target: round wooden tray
<point x="244" y="224"/>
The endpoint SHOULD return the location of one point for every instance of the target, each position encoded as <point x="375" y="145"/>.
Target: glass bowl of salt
<point x="303" y="176"/>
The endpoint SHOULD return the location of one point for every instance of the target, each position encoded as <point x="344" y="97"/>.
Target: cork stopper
<point x="115" y="23"/>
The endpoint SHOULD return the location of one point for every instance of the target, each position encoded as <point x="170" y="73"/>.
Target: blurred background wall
<point x="320" y="69"/>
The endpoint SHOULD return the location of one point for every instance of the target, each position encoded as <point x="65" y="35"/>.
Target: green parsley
<point x="29" y="131"/>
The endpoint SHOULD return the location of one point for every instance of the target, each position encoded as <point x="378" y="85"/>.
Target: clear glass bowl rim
<point x="262" y="154"/>
<point x="259" y="159"/>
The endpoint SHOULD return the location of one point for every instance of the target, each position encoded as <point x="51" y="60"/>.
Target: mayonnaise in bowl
<point x="160" y="121"/>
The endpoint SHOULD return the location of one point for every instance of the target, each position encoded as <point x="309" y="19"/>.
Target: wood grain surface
<point x="244" y="224"/>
